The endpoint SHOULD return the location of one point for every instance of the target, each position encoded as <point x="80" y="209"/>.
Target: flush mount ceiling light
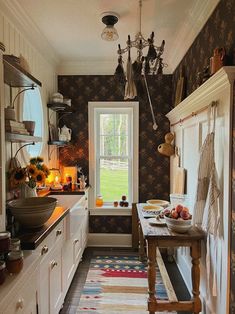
<point x="109" y="19"/>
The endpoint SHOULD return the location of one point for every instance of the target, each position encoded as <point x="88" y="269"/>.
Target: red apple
<point x="185" y="214"/>
<point x="178" y="208"/>
<point x="186" y="209"/>
<point x="174" y="214"/>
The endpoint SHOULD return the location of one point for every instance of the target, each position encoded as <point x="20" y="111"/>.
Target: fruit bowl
<point x="178" y="218"/>
<point x="178" y="225"/>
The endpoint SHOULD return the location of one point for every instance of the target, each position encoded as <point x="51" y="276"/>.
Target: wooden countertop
<point x="31" y="238"/>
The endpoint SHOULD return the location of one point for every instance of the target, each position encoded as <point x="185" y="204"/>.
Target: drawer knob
<point x="44" y="250"/>
<point x="58" y="232"/>
<point x="53" y="264"/>
<point x="76" y="241"/>
<point x="20" y="304"/>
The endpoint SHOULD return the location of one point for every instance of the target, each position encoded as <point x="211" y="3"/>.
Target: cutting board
<point x="178" y="181"/>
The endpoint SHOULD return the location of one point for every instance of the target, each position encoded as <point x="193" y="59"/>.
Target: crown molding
<point x="209" y="89"/>
<point x="15" y="13"/>
<point x="191" y="27"/>
<point x="85" y="67"/>
<point x="91" y="67"/>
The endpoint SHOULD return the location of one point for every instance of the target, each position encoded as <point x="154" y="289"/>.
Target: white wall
<point x="190" y="136"/>
<point x="42" y="63"/>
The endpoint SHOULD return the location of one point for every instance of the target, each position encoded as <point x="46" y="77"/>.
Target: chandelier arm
<point x="155" y="126"/>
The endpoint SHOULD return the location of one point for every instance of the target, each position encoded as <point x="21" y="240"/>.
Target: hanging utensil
<point x="155" y="126"/>
<point x="130" y="88"/>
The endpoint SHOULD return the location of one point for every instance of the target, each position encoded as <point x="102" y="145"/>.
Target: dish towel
<point x="207" y="215"/>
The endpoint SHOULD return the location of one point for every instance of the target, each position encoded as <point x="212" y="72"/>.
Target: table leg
<point x="141" y="245"/>
<point x="151" y="247"/>
<point x="195" y="252"/>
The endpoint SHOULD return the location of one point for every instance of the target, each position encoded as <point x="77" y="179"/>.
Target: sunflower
<point x="18" y="176"/>
<point x="32" y="171"/>
<point x="40" y="177"/>
<point x="45" y="169"/>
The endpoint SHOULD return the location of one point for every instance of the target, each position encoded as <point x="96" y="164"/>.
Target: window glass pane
<point x="32" y="111"/>
<point x="107" y="124"/>
<point x="113" y="178"/>
<point x="121" y="124"/>
<point x="108" y="146"/>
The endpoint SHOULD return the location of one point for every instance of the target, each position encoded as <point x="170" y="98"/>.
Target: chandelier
<point x="152" y="63"/>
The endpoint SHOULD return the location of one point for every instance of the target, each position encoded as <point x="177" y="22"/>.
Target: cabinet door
<point x="77" y="247"/>
<point x="68" y="264"/>
<point x="55" y="281"/>
<point x="25" y="302"/>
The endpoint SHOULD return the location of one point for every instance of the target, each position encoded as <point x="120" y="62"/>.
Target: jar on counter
<point x="14" y="262"/>
<point x="4" y="241"/>
<point x="15" y="244"/>
<point x="2" y="272"/>
<point x="99" y="201"/>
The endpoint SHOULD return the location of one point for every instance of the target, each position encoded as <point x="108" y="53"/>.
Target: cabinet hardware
<point x="58" y="232"/>
<point x="44" y="250"/>
<point x="20" y="304"/>
<point x="53" y="264"/>
<point x="76" y="241"/>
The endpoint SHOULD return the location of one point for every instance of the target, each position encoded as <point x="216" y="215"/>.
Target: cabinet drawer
<point x="56" y="236"/>
<point x="24" y="302"/>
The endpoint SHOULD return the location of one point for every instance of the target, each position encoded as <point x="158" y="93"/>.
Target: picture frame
<point x="179" y="91"/>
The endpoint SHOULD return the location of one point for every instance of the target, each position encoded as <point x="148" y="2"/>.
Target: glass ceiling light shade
<point x="109" y="19"/>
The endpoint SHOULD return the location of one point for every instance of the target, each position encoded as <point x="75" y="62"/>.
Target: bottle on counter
<point x="99" y="201"/>
<point x="2" y="272"/>
<point x="14" y="262"/>
<point x="15" y="244"/>
<point x="4" y="241"/>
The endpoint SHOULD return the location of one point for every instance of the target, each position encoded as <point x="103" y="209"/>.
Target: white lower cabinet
<point x="48" y="271"/>
<point x="25" y="301"/>
<point x="58" y="265"/>
<point x="76" y="230"/>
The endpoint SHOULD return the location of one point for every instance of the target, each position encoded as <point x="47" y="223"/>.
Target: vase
<point x="26" y="191"/>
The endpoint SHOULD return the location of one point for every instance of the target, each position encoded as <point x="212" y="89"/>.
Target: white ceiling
<point x="73" y="28"/>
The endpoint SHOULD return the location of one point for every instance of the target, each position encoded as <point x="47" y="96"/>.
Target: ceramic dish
<point x="180" y="226"/>
<point x="157" y="222"/>
<point x="158" y="203"/>
<point x="151" y="211"/>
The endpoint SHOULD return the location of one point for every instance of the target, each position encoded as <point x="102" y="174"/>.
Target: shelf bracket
<point x="33" y="143"/>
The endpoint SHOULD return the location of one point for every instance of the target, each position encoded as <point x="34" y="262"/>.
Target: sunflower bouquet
<point x="33" y="174"/>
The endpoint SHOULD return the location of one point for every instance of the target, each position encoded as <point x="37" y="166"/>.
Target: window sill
<point x="108" y="210"/>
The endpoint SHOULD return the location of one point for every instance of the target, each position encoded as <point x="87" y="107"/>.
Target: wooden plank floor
<point x="73" y="296"/>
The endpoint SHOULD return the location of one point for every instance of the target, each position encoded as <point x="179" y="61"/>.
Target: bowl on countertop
<point x="178" y="225"/>
<point x="152" y="209"/>
<point x="32" y="212"/>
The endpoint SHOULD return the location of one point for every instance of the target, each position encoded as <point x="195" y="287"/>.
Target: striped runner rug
<point x="117" y="284"/>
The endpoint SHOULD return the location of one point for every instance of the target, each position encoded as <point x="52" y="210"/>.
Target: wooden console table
<point x="161" y="236"/>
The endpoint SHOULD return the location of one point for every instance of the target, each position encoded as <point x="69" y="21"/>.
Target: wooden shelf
<point x="16" y="76"/>
<point x="59" y="106"/>
<point x="58" y="143"/>
<point x="21" y="138"/>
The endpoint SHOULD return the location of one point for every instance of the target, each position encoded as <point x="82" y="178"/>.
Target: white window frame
<point x="95" y="109"/>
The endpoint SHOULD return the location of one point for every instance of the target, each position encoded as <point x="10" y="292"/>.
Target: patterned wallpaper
<point x="153" y="167"/>
<point x="219" y="31"/>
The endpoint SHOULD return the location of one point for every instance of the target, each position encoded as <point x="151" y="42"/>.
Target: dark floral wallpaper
<point x="219" y="31"/>
<point x="153" y="167"/>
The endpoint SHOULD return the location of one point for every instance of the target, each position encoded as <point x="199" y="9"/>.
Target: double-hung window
<point x="113" y="151"/>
